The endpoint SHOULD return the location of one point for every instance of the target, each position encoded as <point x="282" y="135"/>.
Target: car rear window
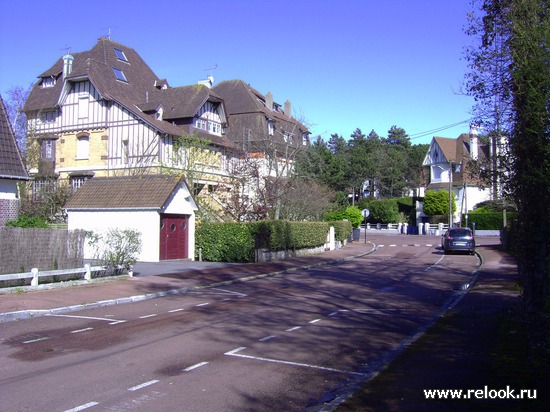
<point x="460" y="232"/>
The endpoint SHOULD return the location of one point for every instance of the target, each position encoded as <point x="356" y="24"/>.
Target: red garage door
<point x="174" y="235"/>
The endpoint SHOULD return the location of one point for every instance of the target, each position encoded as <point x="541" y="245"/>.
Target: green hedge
<point x="236" y="242"/>
<point x="488" y="220"/>
<point x="225" y="242"/>
<point x="342" y="229"/>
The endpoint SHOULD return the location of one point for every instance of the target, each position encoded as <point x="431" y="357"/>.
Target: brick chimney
<point x="288" y="108"/>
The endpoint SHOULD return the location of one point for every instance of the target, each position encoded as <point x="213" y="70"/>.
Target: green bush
<point x="383" y="211"/>
<point x="342" y="229"/>
<point x="351" y="213"/>
<point x="26" y="221"/>
<point x="487" y="220"/>
<point x="436" y="202"/>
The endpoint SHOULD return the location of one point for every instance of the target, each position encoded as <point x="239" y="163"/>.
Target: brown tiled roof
<point x="133" y="192"/>
<point x="245" y="108"/>
<point x="138" y="95"/>
<point x="448" y="147"/>
<point x="11" y="164"/>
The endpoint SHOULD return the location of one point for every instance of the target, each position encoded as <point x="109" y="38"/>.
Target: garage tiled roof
<point x="134" y="192"/>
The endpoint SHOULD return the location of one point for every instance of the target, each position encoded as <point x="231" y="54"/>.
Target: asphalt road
<point x="288" y="342"/>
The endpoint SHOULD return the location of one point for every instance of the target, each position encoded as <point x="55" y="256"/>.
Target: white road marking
<point x="36" y="340"/>
<point x="235" y="353"/>
<point x="195" y="366"/>
<point x="82" y="407"/>
<point x="429" y="245"/>
<point x="435" y="264"/>
<point x="203" y="304"/>
<point x="88" y="317"/>
<point x="393" y="245"/>
<point x="333" y="313"/>
<point x="314" y="320"/>
<point x="294" y="328"/>
<point x="148" y="316"/>
<point x="175" y="310"/>
<point x="239" y="294"/>
<point x="82" y="330"/>
<point x="267" y="338"/>
<point x="143" y="385"/>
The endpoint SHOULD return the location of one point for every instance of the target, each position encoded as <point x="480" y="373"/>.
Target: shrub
<point x="342" y="229"/>
<point x="436" y="202"/>
<point x="26" y="221"/>
<point x="116" y="248"/>
<point x="487" y="220"/>
<point x="351" y="213"/>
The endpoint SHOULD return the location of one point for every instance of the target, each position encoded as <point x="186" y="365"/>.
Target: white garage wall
<point x="147" y="222"/>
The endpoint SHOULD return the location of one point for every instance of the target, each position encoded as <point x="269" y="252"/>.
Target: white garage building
<point x="160" y="207"/>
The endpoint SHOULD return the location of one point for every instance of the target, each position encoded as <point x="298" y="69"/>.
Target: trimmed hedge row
<point x="236" y="242"/>
<point x="488" y="220"/>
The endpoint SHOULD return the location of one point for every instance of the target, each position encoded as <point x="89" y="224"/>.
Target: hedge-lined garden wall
<point x="488" y="220"/>
<point x="237" y="242"/>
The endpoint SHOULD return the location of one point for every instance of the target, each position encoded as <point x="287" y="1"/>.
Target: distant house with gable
<point x="447" y="168"/>
<point x="12" y="170"/>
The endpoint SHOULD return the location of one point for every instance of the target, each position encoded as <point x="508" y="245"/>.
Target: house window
<point x="119" y="74"/>
<point x="270" y="128"/>
<point x="48" y="82"/>
<point x="83" y="105"/>
<point x="304" y="139"/>
<point x="214" y="128"/>
<point x="83" y="147"/>
<point x="120" y="55"/>
<point x="201" y="124"/>
<point x="48" y="145"/>
<point x="42" y="187"/>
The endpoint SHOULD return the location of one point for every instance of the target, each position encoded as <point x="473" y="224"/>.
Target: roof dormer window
<point x="119" y="74"/>
<point x="48" y="82"/>
<point x="120" y="55"/>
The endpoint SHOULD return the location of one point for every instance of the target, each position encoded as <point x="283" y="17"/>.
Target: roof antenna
<point x="210" y="79"/>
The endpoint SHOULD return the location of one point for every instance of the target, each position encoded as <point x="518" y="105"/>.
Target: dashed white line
<point x="203" y="304"/>
<point x="175" y="310"/>
<point x="81" y="330"/>
<point x="86" y="317"/>
<point x="195" y="366"/>
<point x="148" y="316"/>
<point x="314" y="321"/>
<point x="294" y="328"/>
<point x="143" y="385"/>
<point x="267" y="338"/>
<point x="36" y="340"/>
<point x="82" y="407"/>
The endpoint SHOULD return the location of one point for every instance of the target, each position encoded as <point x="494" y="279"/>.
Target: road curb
<point x="34" y="313"/>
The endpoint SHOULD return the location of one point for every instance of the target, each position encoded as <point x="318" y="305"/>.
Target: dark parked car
<point x="460" y="239"/>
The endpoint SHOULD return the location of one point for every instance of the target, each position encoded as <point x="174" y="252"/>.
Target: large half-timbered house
<point x="104" y="112"/>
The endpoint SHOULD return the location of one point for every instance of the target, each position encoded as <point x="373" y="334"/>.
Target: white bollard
<point x="88" y="274"/>
<point x="34" y="281"/>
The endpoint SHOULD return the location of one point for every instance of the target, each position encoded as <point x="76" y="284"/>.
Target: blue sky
<point x="343" y="64"/>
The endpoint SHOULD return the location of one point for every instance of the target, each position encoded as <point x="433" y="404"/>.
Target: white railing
<point x="35" y="274"/>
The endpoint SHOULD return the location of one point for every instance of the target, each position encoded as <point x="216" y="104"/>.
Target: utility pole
<point x="450" y="194"/>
